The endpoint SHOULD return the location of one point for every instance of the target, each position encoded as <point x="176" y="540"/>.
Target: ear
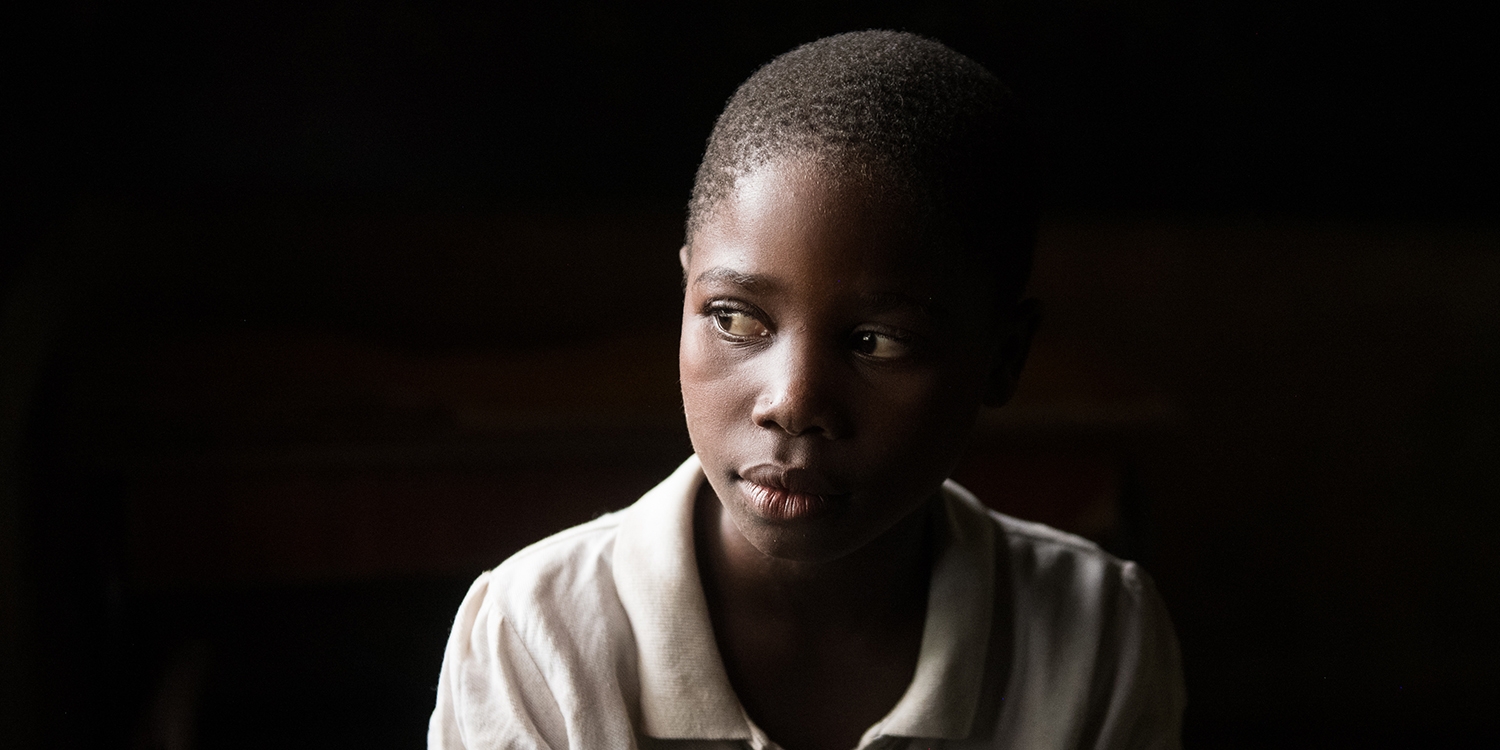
<point x="683" y="256"/>
<point x="1015" y="331"/>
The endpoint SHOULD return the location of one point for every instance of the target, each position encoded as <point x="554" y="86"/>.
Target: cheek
<point x="926" y="415"/>
<point x="930" y="393"/>
<point x="713" y="392"/>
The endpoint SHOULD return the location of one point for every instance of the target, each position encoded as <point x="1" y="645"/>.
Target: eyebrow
<point x="747" y="281"/>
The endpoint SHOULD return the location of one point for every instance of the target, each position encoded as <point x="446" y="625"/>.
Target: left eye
<point x="879" y="345"/>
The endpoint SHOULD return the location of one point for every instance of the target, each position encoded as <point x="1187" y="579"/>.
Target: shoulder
<point x="1049" y="561"/>
<point x="1085" y="607"/>
<point x="557" y="565"/>
<point x="1038" y="550"/>
<point x="557" y="592"/>
<point x="538" y="642"/>
<point x="1070" y="598"/>
<point x="1093" y="650"/>
<point x="554" y="604"/>
<point x="1092" y="633"/>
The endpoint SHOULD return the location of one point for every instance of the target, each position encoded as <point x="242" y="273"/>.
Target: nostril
<point x="797" y="431"/>
<point x="793" y="418"/>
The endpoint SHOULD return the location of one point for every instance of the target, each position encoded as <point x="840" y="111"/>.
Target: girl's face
<point x="832" y="366"/>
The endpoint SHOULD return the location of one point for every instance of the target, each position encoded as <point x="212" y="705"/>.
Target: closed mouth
<point x="788" y="494"/>
<point x="775" y="504"/>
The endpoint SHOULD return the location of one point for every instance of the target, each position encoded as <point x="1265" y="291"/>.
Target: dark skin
<point x="832" y="367"/>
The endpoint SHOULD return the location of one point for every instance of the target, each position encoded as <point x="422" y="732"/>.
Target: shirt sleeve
<point x="490" y="692"/>
<point x="1145" y="711"/>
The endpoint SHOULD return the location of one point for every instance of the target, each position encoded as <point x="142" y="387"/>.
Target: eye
<point x="880" y="346"/>
<point x="738" y="324"/>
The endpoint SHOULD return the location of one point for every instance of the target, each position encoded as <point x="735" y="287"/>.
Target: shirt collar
<point x="944" y="693"/>
<point x="685" y="692"/>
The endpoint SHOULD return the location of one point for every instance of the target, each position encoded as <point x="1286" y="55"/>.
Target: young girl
<point x="858" y="239"/>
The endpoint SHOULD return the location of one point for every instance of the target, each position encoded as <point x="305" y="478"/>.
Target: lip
<point x="784" y="494"/>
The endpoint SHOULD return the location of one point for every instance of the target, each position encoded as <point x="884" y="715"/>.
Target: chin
<point x="797" y="545"/>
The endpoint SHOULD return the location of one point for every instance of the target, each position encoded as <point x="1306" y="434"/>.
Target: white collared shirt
<point x="599" y="637"/>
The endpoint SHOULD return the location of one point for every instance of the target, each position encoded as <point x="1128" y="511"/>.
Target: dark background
<point x="312" y="311"/>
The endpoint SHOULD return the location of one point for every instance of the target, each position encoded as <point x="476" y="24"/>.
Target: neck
<point x="882" y="585"/>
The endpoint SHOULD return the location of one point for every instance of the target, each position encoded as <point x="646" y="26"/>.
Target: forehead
<point x="809" y="221"/>
<point x="799" y="227"/>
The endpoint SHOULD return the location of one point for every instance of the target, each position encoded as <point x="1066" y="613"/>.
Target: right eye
<point x="739" y="324"/>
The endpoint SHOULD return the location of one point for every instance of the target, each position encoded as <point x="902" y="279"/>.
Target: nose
<point x="802" y="390"/>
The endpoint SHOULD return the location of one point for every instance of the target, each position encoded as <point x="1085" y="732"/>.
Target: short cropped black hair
<point x="923" y="121"/>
